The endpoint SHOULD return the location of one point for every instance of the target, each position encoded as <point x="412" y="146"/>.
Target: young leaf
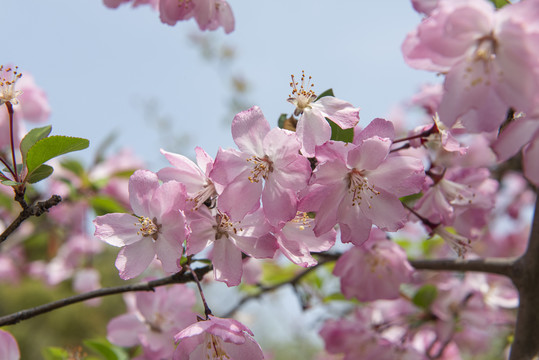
<point x="106" y="349"/>
<point x="55" y="353"/>
<point x="338" y="134"/>
<point x="500" y="3"/>
<point x="10" y="183"/>
<point x="42" y="172"/>
<point x="32" y="137"/>
<point x="328" y="92"/>
<point x="282" y="119"/>
<point x="51" y="147"/>
<point x="425" y="296"/>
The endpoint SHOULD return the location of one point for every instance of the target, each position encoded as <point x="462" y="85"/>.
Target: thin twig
<point x="178" y="278"/>
<point x="36" y="209"/>
<point x="500" y="266"/>
<point x="264" y="289"/>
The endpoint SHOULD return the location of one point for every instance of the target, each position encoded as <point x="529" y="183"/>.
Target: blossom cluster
<point x="209" y="14"/>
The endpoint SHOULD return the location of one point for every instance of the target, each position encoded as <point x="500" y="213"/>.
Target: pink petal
<point x="369" y="153"/>
<point x="142" y="185"/>
<point x="530" y="162"/>
<point x="134" y="259"/>
<point x="123" y="330"/>
<point x="117" y="229"/>
<point x="339" y="111"/>
<point x="249" y="128"/>
<point x="227" y="263"/>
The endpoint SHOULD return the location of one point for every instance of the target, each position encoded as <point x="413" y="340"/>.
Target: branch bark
<point x="526" y="279"/>
<point x="36" y="209"/>
<point x="500" y="266"/>
<point x="178" y="278"/>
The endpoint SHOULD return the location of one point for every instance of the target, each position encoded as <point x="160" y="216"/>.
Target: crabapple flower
<point x="250" y="236"/>
<point x="198" y="185"/>
<point x="209" y="14"/>
<point x="8" y="78"/>
<point x="297" y="240"/>
<point x="217" y="339"/>
<point x="490" y="58"/>
<point x="522" y="131"/>
<point x="373" y="270"/>
<point x="312" y="127"/>
<point x="9" y="350"/>
<point x="153" y="319"/>
<point x="268" y="166"/>
<point x="157" y="226"/>
<point x="358" y="185"/>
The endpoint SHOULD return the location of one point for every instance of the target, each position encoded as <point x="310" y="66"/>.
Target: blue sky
<point x="100" y="67"/>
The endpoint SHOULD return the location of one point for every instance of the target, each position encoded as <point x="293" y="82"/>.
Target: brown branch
<point x="525" y="345"/>
<point x="500" y="266"/>
<point x="178" y="278"/>
<point x="36" y="209"/>
<point x="264" y="289"/>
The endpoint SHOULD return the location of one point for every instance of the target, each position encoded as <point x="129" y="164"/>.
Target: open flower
<point x="217" y="339"/>
<point x="157" y="226"/>
<point x="153" y="319"/>
<point x="360" y="185"/>
<point x="313" y="128"/>
<point x="8" y="78"/>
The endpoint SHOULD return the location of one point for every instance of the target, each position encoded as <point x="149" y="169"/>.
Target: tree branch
<point x="500" y="266"/>
<point x="265" y="289"/>
<point x="178" y="278"/>
<point x="36" y="209"/>
<point x="526" y="280"/>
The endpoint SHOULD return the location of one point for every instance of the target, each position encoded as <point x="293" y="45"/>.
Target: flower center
<point x="486" y="49"/>
<point x="225" y="226"/>
<point x="359" y="187"/>
<point x="207" y="195"/>
<point x="8" y="78"/>
<point x="262" y="168"/>
<point x="303" y="220"/>
<point x="214" y="348"/>
<point x="148" y="227"/>
<point x="302" y="97"/>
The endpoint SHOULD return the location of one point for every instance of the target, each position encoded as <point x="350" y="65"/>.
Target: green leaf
<point x="328" y="92"/>
<point x="32" y="137"/>
<point x="338" y="134"/>
<point x="425" y="296"/>
<point x="500" y="3"/>
<point x="42" y="172"/>
<point x="106" y="349"/>
<point x="55" y="353"/>
<point x="51" y="147"/>
<point x="74" y="166"/>
<point x="104" y="204"/>
<point x="282" y="119"/>
<point x="11" y="183"/>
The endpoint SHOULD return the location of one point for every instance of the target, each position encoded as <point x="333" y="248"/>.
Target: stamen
<point x="262" y="168"/>
<point x="303" y="96"/>
<point x="225" y="226"/>
<point x="148" y="227"/>
<point x="359" y="187"/>
<point x="214" y="348"/>
<point x="303" y="219"/>
<point x="8" y="79"/>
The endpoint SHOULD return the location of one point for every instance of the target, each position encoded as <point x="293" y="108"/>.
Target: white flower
<point x="8" y="79"/>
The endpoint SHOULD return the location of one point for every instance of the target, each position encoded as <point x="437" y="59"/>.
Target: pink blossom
<point x="156" y="228"/>
<point x="200" y="188"/>
<point x="268" y="166"/>
<point x="373" y="270"/>
<point x="215" y="339"/>
<point x="9" y="350"/>
<point x="209" y="14"/>
<point x="153" y="319"/>
<point x="297" y="240"/>
<point x="113" y="4"/>
<point x="250" y="236"/>
<point x="522" y="131"/>
<point x="312" y="128"/>
<point x="490" y="58"/>
<point x="87" y="280"/>
<point x="360" y="184"/>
